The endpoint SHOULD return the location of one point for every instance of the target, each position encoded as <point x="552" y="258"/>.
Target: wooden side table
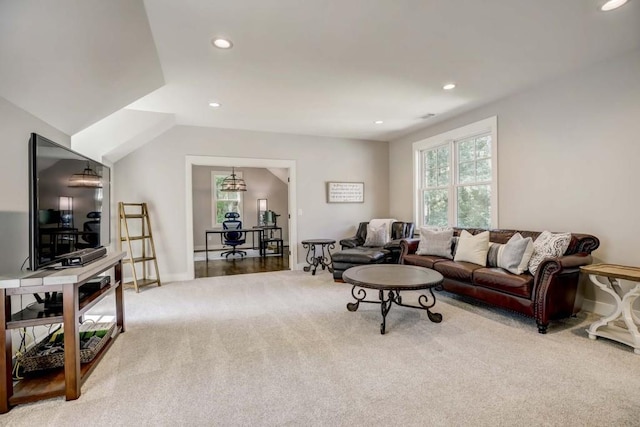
<point x="606" y="326"/>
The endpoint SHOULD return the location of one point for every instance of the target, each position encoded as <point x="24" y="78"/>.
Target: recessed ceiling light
<point x="449" y="86"/>
<point x="222" y="43"/>
<point x="378" y="122"/>
<point x="214" y="104"/>
<point x="612" y="4"/>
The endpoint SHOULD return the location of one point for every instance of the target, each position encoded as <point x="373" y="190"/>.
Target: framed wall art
<point x="345" y="192"/>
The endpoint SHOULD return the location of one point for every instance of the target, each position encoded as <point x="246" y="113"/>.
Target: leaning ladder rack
<point x="145" y="252"/>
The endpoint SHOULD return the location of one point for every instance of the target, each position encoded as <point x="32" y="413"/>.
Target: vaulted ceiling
<point x="316" y="67"/>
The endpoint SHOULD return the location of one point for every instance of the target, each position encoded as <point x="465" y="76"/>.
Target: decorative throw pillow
<point x="548" y="245"/>
<point x="376" y="236"/>
<point x="514" y="256"/>
<point x="435" y="242"/>
<point x="492" y="255"/>
<point x="473" y="248"/>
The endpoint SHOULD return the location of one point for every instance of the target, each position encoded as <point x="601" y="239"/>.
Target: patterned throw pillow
<point x="473" y="248"/>
<point x="376" y="236"/>
<point x="514" y="256"/>
<point x="435" y="242"/>
<point x="548" y="245"/>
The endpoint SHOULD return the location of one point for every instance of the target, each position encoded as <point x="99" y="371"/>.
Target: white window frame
<point x="214" y="196"/>
<point x="489" y="125"/>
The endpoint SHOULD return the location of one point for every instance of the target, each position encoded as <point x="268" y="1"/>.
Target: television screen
<point x="69" y="202"/>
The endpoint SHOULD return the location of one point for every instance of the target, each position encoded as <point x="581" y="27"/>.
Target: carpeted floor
<point x="281" y="349"/>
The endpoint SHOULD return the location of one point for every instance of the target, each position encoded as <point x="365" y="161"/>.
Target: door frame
<point x="239" y="162"/>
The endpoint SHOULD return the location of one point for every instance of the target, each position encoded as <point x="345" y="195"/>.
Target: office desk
<point x="220" y="231"/>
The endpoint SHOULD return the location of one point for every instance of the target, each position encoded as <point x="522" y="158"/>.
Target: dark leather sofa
<point x="549" y="295"/>
<point x="354" y="253"/>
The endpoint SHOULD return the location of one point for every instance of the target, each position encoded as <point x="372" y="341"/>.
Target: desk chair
<point x="233" y="238"/>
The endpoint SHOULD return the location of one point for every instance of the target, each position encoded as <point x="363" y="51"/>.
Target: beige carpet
<point x="281" y="349"/>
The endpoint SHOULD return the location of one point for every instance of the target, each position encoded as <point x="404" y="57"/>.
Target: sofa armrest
<point x="408" y="246"/>
<point x="551" y="266"/>
<point x="393" y="244"/>
<point x="351" y="242"/>
<point x="556" y="283"/>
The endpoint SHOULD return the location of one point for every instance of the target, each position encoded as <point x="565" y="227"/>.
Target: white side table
<point x="606" y="326"/>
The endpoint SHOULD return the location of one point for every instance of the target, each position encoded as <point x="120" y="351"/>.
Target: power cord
<point x="25" y="261"/>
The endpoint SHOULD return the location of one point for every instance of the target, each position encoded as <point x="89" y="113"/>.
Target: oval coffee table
<point x="393" y="278"/>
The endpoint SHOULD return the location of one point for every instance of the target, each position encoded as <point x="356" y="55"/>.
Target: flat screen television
<point x="68" y="204"/>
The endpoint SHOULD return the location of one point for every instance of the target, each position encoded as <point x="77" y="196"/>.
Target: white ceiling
<point x="315" y="67"/>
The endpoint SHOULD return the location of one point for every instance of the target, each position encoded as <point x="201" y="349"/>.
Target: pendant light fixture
<point x="232" y="183"/>
<point x="88" y="178"/>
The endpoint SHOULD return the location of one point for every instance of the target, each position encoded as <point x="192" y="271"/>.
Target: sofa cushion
<point x="472" y="248"/>
<point x="503" y="281"/>
<point x="435" y="242"/>
<point x="423" y="260"/>
<point x="462" y="271"/>
<point x="548" y="245"/>
<point x="360" y="255"/>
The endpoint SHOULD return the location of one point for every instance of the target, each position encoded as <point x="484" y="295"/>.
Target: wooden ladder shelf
<point x="141" y="253"/>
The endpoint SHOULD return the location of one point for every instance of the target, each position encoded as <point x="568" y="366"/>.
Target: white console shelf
<point x="68" y="380"/>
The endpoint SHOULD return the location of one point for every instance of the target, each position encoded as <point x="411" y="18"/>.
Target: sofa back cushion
<point x="402" y="230"/>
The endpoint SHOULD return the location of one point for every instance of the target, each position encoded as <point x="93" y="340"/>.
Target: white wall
<point x="16" y="126"/>
<point x="155" y="173"/>
<point x="568" y="153"/>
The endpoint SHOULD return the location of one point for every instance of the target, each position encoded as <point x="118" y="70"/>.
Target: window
<point x="456" y="177"/>
<point x="223" y="201"/>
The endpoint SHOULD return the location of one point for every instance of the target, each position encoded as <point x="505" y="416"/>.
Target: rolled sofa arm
<point x="551" y="266"/>
<point x="351" y="242"/>
<point x="555" y="286"/>
<point x="408" y="246"/>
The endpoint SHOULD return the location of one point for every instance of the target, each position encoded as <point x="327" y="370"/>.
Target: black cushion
<point x="360" y="255"/>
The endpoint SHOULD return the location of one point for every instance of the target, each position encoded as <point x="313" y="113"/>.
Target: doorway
<point x="240" y="162"/>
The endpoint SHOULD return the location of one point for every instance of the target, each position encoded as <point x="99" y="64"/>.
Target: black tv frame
<point x="34" y="229"/>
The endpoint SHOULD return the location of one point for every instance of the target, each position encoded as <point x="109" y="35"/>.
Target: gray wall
<point x="156" y="173"/>
<point x="261" y="184"/>
<point x="568" y="155"/>
<point x="16" y="126"/>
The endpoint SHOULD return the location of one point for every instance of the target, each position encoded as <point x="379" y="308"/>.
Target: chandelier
<point x="232" y="183"/>
<point x="88" y="178"/>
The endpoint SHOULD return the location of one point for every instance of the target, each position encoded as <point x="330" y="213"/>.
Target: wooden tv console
<point x="68" y="380"/>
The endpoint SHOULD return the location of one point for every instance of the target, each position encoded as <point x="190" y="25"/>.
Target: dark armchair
<point x="355" y="253"/>
<point x="399" y="230"/>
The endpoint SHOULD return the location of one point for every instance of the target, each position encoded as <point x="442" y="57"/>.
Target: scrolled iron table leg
<point x="328" y="260"/>
<point x="359" y="297"/>
<point x="310" y="259"/>
<point x="385" y="306"/>
<point x="423" y="300"/>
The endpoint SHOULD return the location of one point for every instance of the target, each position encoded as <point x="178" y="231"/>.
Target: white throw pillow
<point x="435" y="242"/>
<point x="548" y="245"/>
<point x="376" y="236"/>
<point x="473" y="248"/>
<point x="514" y="256"/>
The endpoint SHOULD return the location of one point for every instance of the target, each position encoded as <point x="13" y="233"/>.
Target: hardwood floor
<point x="223" y="267"/>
